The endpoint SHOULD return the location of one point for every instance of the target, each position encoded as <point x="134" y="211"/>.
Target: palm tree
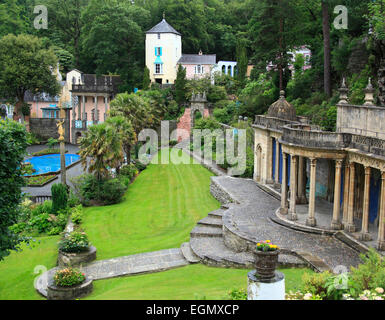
<point x="143" y="111"/>
<point x="126" y="132"/>
<point x="103" y="145"/>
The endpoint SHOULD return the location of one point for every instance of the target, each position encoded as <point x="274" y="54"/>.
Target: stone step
<point x="205" y="231"/>
<point x="187" y="252"/>
<point x="217" y="213"/>
<point x="211" y="221"/>
<point x="212" y="251"/>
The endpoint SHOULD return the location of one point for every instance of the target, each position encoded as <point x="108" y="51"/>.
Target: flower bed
<point x="40" y="180"/>
<point x="75" y="250"/>
<point x="46" y="151"/>
<point x="68" y="284"/>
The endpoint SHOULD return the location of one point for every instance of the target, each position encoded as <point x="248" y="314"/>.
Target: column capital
<point x="367" y="170"/>
<point x="382" y="175"/>
<point x="339" y="163"/>
<point x="351" y="163"/>
<point x="313" y="162"/>
<point x="284" y="155"/>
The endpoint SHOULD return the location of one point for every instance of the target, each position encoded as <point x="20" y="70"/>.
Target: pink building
<point x="199" y="65"/>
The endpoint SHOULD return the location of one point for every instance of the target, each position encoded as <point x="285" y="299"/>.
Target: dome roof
<point x="282" y="109"/>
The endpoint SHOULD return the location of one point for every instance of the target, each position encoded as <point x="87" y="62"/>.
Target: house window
<point x="158" y="51"/>
<point x="199" y="69"/>
<point x="158" y="35"/>
<point x="158" y="68"/>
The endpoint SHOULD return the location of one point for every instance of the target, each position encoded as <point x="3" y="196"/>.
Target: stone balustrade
<point x="271" y="122"/>
<point x="312" y="137"/>
<point x="92" y="88"/>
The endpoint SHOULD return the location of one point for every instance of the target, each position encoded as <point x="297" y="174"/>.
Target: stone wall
<point x="219" y="193"/>
<point x="45" y="128"/>
<point x="361" y="120"/>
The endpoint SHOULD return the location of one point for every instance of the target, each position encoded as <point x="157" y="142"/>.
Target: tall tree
<point x="13" y="149"/>
<point x="25" y="64"/>
<point x="66" y="23"/>
<point x="146" y="78"/>
<point x="242" y="60"/>
<point x="101" y="148"/>
<point x="327" y="53"/>
<point x="180" y="85"/>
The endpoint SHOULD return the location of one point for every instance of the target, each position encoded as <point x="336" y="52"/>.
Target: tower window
<point x="158" y="68"/>
<point x="158" y="35"/>
<point x="158" y="51"/>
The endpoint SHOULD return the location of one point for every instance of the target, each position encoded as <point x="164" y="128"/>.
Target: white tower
<point x="163" y="51"/>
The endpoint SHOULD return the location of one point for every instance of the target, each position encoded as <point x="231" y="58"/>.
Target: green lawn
<point x="193" y="282"/>
<point x="160" y="209"/>
<point x="17" y="271"/>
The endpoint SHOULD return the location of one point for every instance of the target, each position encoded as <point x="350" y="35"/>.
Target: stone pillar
<point x="350" y="223"/>
<point x="381" y="224"/>
<point x="96" y="114"/>
<point x="365" y="236"/>
<point x="293" y="188"/>
<point x="84" y="116"/>
<point x="79" y="107"/>
<point x="73" y="111"/>
<point x="301" y="196"/>
<point x="283" y="209"/>
<point x="346" y="194"/>
<point x="105" y="107"/>
<point x="276" y="180"/>
<point x="273" y="289"/>
<point x="336" y="224"/>
<point x="311" y="221"/>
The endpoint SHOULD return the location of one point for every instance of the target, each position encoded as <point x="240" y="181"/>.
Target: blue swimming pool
<point x="50" y="162"/>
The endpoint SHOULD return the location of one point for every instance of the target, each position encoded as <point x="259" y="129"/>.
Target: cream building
<point x="163" y="51"/>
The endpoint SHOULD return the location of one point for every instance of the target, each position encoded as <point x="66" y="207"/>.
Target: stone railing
<point x="308" y="136"/>
<point x="271" y="122"/>
<point x="89" y="88"/>
<point x="312" y="137"/>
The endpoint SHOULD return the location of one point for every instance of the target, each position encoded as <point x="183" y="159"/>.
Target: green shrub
<point x="68" y="277"/>
<point x="129" y="171"/>
<point x="54" y="231"/>
<point x="59" y="197"/>
<point x="139" y="165"/>
<point x="238" y="294"/>
<point x="18" y="227"/>
<point x="73" y="199"/>
<point x="51" y="143"/>
<point x="315" y="283"/>
<point x="368" y="274"/>
<point x="173" y="143"/>
<point x="74" y="242"/>
<point x="77" y="214"/>
<point x="112" y="191"/>
<point x="40" y="222"/>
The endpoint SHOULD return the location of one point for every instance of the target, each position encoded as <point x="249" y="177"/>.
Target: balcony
<point x="271" y="123"/>
<point x="311" y="137"/>
<point x="92" y="88"/>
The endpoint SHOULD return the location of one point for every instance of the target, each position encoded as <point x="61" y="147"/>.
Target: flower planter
<point x="76" y="259"/>
<point x="55" y="292"/>
<point x="266" y="263"/>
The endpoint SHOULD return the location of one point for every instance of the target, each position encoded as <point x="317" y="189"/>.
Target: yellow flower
<point x="267" y="241"/>
<point x="258" y="244"/>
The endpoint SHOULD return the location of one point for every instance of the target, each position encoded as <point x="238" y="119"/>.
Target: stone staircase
<point x="206" y="243"/>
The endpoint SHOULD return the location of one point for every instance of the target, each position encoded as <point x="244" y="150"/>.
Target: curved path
<point x="250" y="221"/>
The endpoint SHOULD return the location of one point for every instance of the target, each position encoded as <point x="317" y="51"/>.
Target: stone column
<point x="105" y="107"/>
<point x="276" y="180"/>
<point x="293" y="188"/>
<point x="350" y="223"/>
<point x="311" y="221"/>
<point x="365" y="236"/>
<point x="96" y="115"/>
<point x="381" y="224"/>
<point x="73" y="110"/>
<point x="336" y="224"/>
<point x="84" y="117"/>
<point x="283" y="209"/>
<point x="346" y="194"/>
<point x="79" y="107"/>
<point x="300" y="180"/>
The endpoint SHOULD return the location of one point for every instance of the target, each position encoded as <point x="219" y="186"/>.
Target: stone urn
<point x="265" y="263"/>
<point x="55" y="292"/>
<point x="66" y="259"/>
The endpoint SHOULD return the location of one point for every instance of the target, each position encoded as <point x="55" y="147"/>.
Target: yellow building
<point x="163" y="51"/>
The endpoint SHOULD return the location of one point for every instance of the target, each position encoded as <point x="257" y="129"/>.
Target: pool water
<point x="50" y="162"/>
